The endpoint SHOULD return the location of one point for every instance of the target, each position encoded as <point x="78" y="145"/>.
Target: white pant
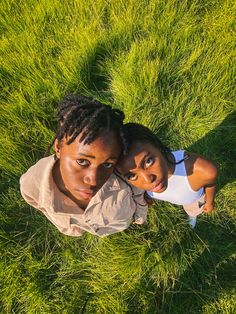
<point x="196" y="207"/>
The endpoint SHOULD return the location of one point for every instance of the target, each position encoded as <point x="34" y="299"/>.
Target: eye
<point x="108" y="165"/>
<point x="149" y="161"/>
<point x="83" y="162"/>
<point x="131" y="177"/>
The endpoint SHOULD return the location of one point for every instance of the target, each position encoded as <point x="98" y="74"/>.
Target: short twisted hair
<point x="83" y="115"/>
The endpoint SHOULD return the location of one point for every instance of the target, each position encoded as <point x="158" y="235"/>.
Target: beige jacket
<point x="111" y="210"/>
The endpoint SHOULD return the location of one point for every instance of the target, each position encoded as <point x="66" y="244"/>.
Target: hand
<point x="208" y="208"/>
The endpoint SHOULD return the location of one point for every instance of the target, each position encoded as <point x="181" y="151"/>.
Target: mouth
<point x="86" y="194"/>
<point x="158" y="187"/>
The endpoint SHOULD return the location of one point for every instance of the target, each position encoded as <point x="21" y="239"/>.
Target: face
<point x="83" y="169"/>
<point x="145" y="167"/>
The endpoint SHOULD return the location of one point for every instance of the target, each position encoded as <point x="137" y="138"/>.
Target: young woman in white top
<point x="178" y="177"/>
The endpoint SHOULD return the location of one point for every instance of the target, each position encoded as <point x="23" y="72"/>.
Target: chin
<point x="163" y="189"/>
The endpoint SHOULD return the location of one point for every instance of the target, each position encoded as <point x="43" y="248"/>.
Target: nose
<point x="149" y="177"/>
<point x="91" y="177"/>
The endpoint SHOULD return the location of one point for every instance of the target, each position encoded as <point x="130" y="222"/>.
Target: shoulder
<point x="118" y="190"/>
<point x="132" y="196"/>
<point x="37" y="170"/>
<point x="31" y="180"/>
<point x="201" y="167"/>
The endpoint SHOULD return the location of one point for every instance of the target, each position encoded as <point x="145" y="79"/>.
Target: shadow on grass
<point x="209" y="276"/>
<point x="219" y="145"/>
<point x="209" y="273"/>
<point x="94" y="79"/>
<point x="94" y="72"/>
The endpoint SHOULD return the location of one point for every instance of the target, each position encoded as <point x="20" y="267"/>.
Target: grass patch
<point x="169" y="65"/>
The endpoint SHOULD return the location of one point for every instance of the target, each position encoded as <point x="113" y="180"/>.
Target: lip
<point x="158" y="187"/>
<point x="86" y="194"/>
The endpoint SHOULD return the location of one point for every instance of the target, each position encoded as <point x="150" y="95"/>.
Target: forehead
<point x="106" y="144"/>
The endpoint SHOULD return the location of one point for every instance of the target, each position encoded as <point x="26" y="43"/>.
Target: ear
<point x="57" y="147"/>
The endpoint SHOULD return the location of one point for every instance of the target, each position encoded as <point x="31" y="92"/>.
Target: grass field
<point x="168" y="64"/>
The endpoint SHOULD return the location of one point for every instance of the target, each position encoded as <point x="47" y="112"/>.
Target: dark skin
<point x="82" y="169"/>
<point x="147" y="168"/>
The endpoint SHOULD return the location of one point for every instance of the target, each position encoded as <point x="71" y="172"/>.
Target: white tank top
<point x="179" y="190"/>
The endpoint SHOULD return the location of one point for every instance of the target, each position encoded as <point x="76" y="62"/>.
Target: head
<point x="87" y="145"/>
<point x="145" y="165"/>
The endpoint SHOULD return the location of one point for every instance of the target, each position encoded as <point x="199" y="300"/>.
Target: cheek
<point x="137" y="183"/>
<point x="70" y="172"/>
<point x="162" y="168"/>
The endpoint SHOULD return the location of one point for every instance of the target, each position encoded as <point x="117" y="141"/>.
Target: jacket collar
<point x="46" y="189"/>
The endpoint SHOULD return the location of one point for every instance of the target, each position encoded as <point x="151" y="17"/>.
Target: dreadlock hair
<point x="135" y="132"/>
<point x="83" y="115"/>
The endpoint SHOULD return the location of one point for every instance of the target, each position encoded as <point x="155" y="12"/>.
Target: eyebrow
<point x="91" y="156"/>
<point x="139" y="165"/>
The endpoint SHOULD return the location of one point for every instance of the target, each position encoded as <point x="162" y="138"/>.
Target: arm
<point x="210" y="192"/>
<point x="210" y="187"/>
<point x="210" y="174"/>
<point x="203" y="173"/>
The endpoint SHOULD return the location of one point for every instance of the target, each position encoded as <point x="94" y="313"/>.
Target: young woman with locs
<point x="76" y="188"/>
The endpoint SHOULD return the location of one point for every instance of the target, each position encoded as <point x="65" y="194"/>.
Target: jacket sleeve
<point x="140" y="214"/>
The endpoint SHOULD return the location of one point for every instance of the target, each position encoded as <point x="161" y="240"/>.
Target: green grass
<point x="168" y="64"/>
